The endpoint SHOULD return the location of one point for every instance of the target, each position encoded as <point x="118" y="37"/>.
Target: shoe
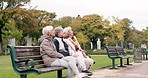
<point x="81" y="75"/>
<point x="94" y="62"/>
<point x="87" y="72"/>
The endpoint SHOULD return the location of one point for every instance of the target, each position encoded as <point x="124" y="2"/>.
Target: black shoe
<point x="94" y="62"/>
<point x="87" y="72"/>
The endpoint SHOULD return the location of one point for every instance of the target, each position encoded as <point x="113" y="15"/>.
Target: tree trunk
<point x="94" y="45"/>
<point x="1" y="40"/>
<point x="0" y="47"/>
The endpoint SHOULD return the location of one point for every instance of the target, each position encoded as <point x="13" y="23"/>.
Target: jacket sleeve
<point x="48" y="48"/>
<point x="77" y="42"/>
<point x="56" y="43"/>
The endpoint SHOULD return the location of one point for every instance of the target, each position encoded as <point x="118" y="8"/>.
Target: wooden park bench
<point x="112" y="54"/>
<point x="27" y="59"/>
<point x="123" y="54"/>
<point x="116" y="53"/>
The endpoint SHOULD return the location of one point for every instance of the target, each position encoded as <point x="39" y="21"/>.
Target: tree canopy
<point x="18" y="22"/>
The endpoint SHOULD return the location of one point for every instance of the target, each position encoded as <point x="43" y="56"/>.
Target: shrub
<point x="2" y="53"/>
<point x="129" y="51"/>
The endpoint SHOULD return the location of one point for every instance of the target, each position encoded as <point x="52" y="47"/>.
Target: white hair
<point x="66" y="31"/>
<point x="47" y="29"/>
<point x="57" y="30"/>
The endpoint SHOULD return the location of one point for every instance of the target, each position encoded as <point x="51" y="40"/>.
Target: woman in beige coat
<point x="76" y="51"/>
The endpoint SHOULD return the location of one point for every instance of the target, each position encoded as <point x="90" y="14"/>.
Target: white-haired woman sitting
<point x="76" y="51"/>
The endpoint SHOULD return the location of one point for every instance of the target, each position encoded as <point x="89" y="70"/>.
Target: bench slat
<point x="47" y="69"/>
<point x="37" y="62"/>
<point x="30" y="57"/>
<point x="27" y="54"/>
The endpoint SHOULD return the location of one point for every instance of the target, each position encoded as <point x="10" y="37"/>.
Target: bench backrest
<point x="120" y="50"/>
<point x="111" y="51"/>
<point x="143" y="50"/>
<point x="24" y="53"/>
<point x="29" y="52"/>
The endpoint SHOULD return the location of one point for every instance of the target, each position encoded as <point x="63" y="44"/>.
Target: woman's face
<point x="60" y="34"/>
<point x="51" y="33"/>
<point x="70" y="33"/>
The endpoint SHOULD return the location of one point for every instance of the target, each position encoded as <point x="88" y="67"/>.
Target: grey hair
<point x="57" y="30"/>
<point x="47" y="29"/>
<point x="66" y="31"/>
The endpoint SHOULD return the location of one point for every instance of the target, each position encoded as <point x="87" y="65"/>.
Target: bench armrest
<point x="29" y="63"/>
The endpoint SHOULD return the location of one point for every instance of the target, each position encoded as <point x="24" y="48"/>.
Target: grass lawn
<point x="6" y="70"/>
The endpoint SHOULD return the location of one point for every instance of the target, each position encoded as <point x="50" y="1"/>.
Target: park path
<point x="137" y="70"/>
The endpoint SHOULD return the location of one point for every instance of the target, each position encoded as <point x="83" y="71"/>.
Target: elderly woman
<point x="63" y="48"/>
<point x="76" y="51"/>
<point x="52" y="58"/>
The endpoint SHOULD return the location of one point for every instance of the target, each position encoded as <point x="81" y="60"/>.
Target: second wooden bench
<point x="117" y="53"/>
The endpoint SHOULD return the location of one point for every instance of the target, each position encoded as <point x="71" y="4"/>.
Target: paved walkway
<point x="137" y="70"/>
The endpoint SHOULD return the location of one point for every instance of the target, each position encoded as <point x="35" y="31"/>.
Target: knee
<point x="80" y="54"/>
<point x="73" y="59"/>
<point x="66" y="65"/>
<point x="63" y="63"/>
<point x="89" y="61"/>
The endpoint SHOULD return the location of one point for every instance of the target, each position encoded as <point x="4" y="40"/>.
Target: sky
<point x="135" y="10"/>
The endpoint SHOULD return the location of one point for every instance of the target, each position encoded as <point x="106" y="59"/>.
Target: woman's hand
<point x="85" y="56"/>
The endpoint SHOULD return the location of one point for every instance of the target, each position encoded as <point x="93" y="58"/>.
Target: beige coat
<point x="71" y="47"/>
<point x="48" y="50"/>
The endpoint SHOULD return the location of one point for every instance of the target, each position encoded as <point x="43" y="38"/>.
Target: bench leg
<point x="113" y="64"/>
<point x="143" y="56"/>
<point x="59" y="73"/>
<point x="23" y="76"/>
<point x="127" y="63"/>
<point x="146" y="57"/>
<point x="121" y="63"/>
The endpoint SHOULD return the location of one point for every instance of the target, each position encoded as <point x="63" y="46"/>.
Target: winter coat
<point x="48" y="50"/>
<point x="61" y="46"/>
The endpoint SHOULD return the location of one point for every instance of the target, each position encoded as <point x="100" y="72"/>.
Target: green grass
<point x="6" y="70"/>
